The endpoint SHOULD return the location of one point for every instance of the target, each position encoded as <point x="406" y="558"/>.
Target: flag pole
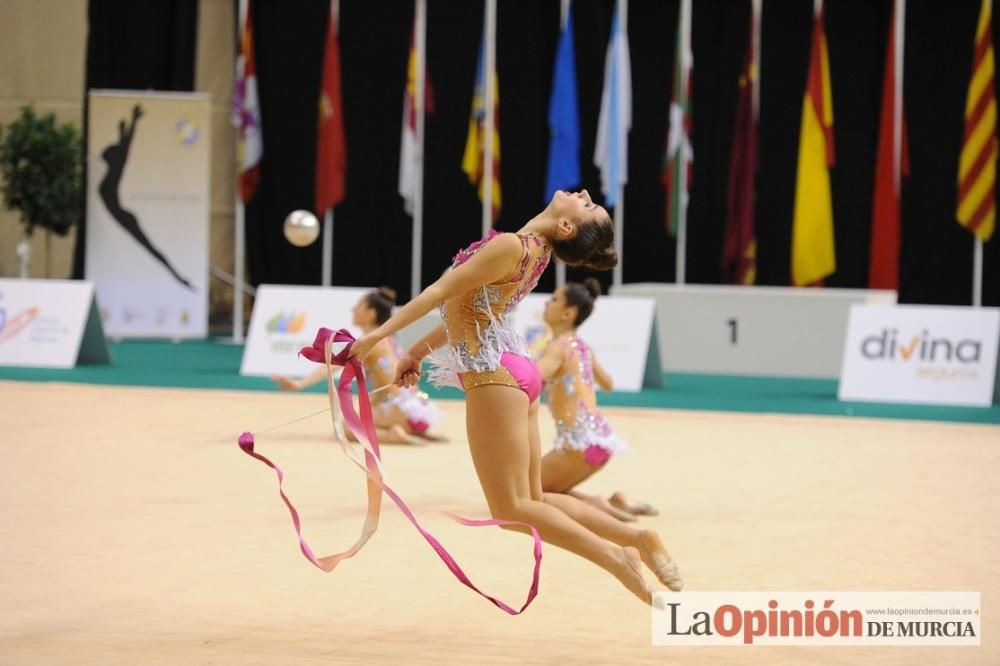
<point x="489" y="58"/>
<point x="560" y="266"/>
<point x="327" y="247"/>
<point x="619" y="226"/>
<point x="616" y="279"/>
<point x="897" y="121"/>
<point x="327" y="275"/>
<point x="685" y="19"/>
<point x="239" y="242"/>
<point x="899" y="29"/>
<point x="416" y="255"/>
<point x="977" y="273"/>
<point x="239" y="250"/>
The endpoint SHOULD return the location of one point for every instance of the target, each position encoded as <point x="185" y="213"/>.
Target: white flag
<point x="611" y="149"/>
<point x="408" y="138"/>
<point x="408" y="156"/>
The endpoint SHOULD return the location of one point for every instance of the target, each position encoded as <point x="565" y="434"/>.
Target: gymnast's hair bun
<point x="593" y="286"/>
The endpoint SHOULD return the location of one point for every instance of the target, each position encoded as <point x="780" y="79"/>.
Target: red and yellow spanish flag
<point x="977" y="165"/>
<point x="813" y="256"/>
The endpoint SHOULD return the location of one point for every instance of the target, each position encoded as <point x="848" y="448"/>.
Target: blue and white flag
<point x="611" y="149"/>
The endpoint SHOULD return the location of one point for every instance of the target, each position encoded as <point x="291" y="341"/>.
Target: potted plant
<point x="40" y="165"/>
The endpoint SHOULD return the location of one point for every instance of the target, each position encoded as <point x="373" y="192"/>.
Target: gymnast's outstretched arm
<point x="495" y="260"/>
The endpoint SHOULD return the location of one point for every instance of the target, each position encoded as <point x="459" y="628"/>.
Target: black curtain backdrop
<point x="147" y="45"/>
<point x="372" y="233"/>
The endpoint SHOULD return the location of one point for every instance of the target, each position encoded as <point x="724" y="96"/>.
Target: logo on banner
<point x="187" y="132"/>
<point x="920" y="354"/>
<point x="537" y="334"/>
<point x="538" y="337"/>
<point x="282" y="323"/>
<point x="817" y="618"/>
<point x="10" y="327"/>
<point x="116" y="155"/>
<point x="45" y="329"/>
<point x="889" y="346"/>
<point x="934" y="357"/>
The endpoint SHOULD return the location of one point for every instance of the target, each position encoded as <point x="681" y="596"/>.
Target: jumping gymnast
<point x="484" y="355"/>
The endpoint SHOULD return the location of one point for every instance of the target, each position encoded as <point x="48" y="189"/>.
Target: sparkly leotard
<point x="482" y="343"/>
<point x="380" y="369"/>
<point x="573" y="401"/>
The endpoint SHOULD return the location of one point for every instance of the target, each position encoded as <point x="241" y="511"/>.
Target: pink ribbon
<point x="363" y="427"/>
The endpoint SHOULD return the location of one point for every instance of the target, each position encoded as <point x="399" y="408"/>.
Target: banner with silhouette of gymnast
<point x="148" y="199"/>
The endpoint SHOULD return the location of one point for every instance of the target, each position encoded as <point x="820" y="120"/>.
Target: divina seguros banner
<point x="923" y="355"/>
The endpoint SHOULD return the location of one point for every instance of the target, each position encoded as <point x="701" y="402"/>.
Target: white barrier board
<point x="762" y="331"/>
<point x="50" y="324"/>
<point x="917" y="354"/>
<point x="619" y="331"/>
<point x="285" y="318"/>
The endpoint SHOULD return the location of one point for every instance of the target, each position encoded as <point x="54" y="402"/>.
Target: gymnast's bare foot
<point x="399" y="435"/>
<point x="620" y="501"/>
<point x="604" y="505"/>
<point x="392" y="435"/>
<point x="629" y="572"/>
<point x="431" y="437"/>
<point x="656" y="557"/>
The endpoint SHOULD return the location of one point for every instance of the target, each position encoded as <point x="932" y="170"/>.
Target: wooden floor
<point x="133" y="531"/>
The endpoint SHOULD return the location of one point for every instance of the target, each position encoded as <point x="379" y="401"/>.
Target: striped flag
<point x="977" y="163"/>
<point x="472" y="160"/>
<point x="246" y="109"/>
<point x="408" y="138"/>
<point x="679" y="157"/>
<point x="813" y="253"/>
<point x="331" y="146"/>
<point x="615" y="120"/>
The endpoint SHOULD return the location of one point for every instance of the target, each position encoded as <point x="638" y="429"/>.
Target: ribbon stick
<point x="363" y="427"/>
<point x="309" y="416"/>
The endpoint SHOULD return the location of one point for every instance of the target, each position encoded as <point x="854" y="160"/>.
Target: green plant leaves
<point x="40" y="164"/>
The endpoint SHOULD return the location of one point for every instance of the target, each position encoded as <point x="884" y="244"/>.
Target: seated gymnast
<point x="402" y="415"/>
<point x="584" y="440"/>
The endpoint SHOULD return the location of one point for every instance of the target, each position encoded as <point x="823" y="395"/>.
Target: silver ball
<point x="301" y="228"/>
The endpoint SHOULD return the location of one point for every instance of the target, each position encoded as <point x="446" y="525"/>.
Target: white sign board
<point x="285" y="319"/>
<point x="148" y="211"/>
<point x="924" y="355"/>
<point x="49" y="324"/>
<point x="761" y="331"/>
<point x="619" y="331"/>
